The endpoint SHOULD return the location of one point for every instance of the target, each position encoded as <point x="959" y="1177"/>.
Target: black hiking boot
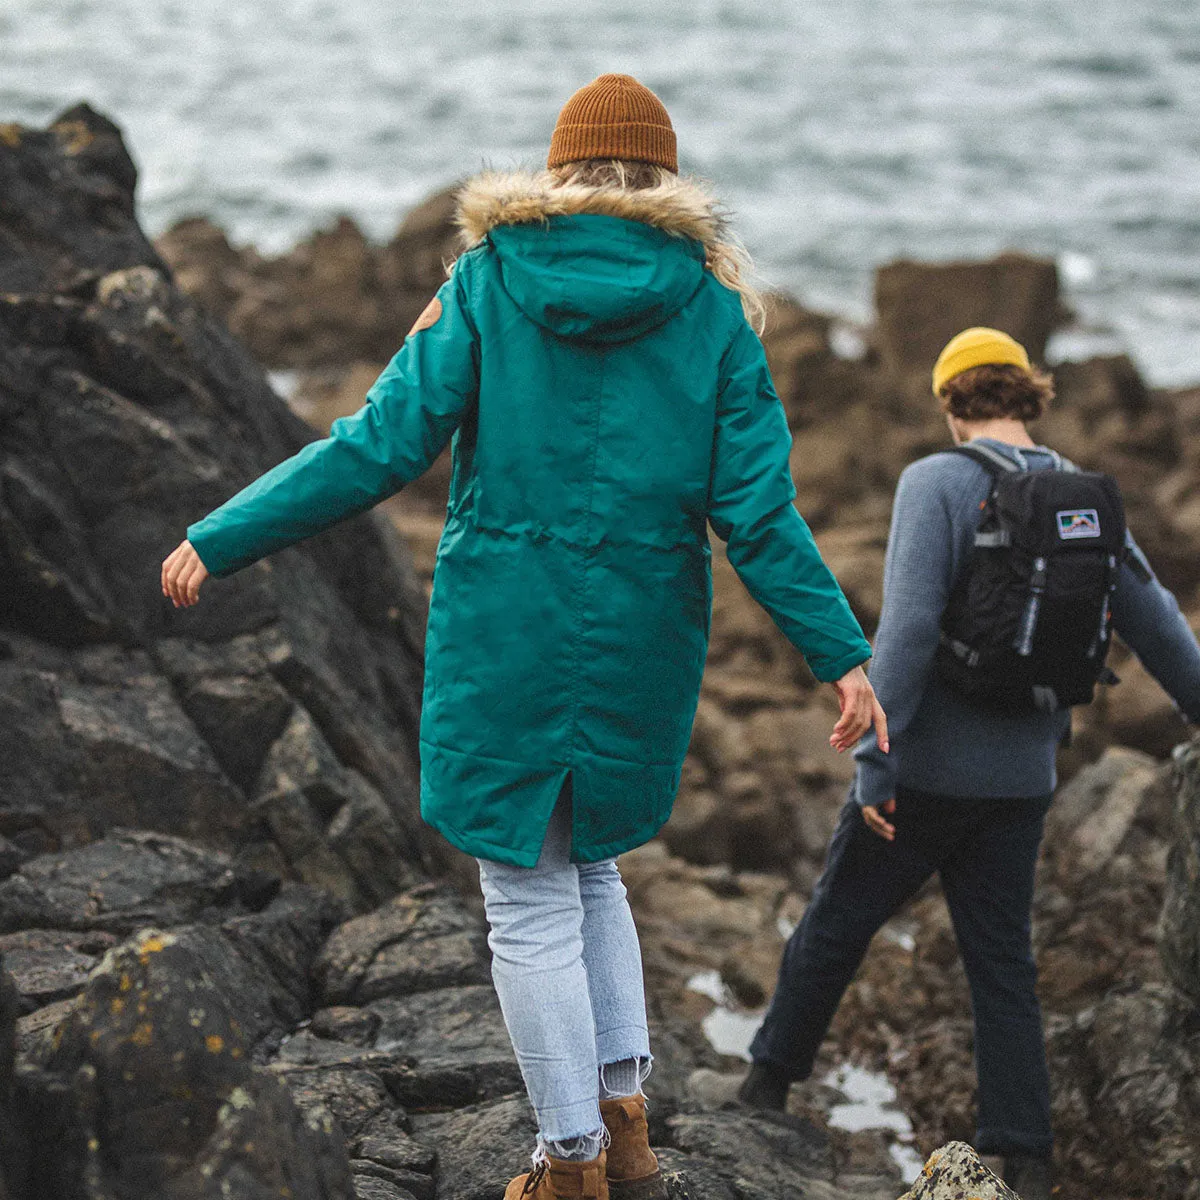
<point x="765" y="1088"/>
<point x="1031" y="1176"/>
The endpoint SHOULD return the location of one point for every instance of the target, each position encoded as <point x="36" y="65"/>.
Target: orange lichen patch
<point x="74" y="135"/>
<point x="96" y="1035"/>
<point x="125" y="983"/>
<point x="143" y="1035"/>
<point x="236" y="1052"/>
<point x="10" y="134"/>
<point x="934" y="1159"/>
<point x="214" y="1043"/>
<point x="116" y="1006"/>
<point x="152" y="945"/>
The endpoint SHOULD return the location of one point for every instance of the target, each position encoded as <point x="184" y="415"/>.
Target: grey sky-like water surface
<point x="842" y="134"/>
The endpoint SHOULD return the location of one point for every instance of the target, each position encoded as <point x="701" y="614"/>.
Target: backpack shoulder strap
<point x="992" y="461"/>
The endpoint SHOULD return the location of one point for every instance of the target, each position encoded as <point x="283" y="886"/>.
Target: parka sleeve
<point x="411" y="412"/>
<point x="751" y="510"/>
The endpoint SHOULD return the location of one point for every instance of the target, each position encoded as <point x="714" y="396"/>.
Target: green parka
<point x="608" y="401"/>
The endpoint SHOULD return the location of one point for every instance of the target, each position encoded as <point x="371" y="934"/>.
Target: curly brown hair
<point x="997" y="390"/>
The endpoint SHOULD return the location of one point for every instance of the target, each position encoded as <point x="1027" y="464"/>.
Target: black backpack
<point x="1027" y="625"/>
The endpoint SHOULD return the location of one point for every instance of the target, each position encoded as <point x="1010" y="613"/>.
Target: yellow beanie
<point x="976" y="347"/>
<point x="614" y="117"/>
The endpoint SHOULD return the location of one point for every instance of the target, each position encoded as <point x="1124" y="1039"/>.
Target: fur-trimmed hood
<point x="595" y="263"/>
<point x="679" y="206"/>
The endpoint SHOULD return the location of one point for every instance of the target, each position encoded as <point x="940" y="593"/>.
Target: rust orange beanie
<point x="614" y="117"/>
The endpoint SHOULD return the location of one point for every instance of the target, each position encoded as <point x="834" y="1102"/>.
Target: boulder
<point x="421" y="940"/>
<point x="920" y="306"/>
<point x="128" y="412"/>
<point x="333" y="298"/>
<point x="1125" y="1103"/>
<point x="154" y="1066"/>
<point x="955" y="1171"/>
<point x="129" y="879"/>
<point x="68" y="203"/>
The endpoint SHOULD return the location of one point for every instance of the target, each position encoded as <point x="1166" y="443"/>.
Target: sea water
<point x="843" y="133"/>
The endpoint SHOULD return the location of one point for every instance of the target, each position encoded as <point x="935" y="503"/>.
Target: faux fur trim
<point x="680" y="207"/>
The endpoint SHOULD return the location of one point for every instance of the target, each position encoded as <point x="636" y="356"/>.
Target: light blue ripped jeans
<point x="568" y="971"/>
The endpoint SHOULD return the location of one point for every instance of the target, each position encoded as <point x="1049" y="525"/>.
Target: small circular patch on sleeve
<point x="431" y="316"/>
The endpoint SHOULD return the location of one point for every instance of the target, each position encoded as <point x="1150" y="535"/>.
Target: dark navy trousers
<point x="985" y="852"/>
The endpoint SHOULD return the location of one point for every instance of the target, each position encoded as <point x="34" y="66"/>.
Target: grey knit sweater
<point x="941" y="743"/>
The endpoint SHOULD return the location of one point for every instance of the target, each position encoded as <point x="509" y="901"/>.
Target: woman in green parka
<point x="593" y="358"/>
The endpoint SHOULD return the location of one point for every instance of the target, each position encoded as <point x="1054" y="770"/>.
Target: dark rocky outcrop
<point x="334" y="298"/>
<point x="279" y="718"/>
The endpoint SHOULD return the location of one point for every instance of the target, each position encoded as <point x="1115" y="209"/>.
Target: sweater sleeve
<point x="1147" y="617"/>
<point x="919" y="572"/>
<point x="411" y="412"/>
<point x="751" y="510"/>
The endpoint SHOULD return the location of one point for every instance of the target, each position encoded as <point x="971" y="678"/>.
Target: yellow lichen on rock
<point x="143" y="1035"/>
<point x="10" y="134"/>
<point x="214" y="1043"/>
<point x="75" y="136"/>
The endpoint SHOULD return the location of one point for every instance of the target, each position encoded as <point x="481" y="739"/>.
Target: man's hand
<point x="182" y="575"/>
<point x="860" y="710"/>
<point x="876" y="821"/>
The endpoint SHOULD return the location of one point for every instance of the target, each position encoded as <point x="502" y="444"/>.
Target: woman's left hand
<point x="182" y="575"/>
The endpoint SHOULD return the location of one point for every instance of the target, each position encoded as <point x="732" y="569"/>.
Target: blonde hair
<point x="727" y="258"/>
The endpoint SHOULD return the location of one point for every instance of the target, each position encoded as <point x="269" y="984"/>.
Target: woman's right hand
<point x="182" y="575"/>
<point x="860" y="710"/>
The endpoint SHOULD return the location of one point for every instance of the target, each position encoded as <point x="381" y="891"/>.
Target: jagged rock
<point x="333" y="828"/>
<point x="370" y="1187"/>
<point x="333" y="296"/>
<point x="401" y="1180"/>
<point x="156" y="1056"/>
<point x="448" y="1046"/>
<point x="1092" y="815"/>
<point x="480" y="1147"/>
<point x="125" y="881"/>
<point x="126" y="412"/>
<point x="50" y="965"/>
<point x="355" y="1095"/>
<point x="142" y="764"/>
<point x="68" y="203"/>
<point x="955" y="1171"/>
<point x="1126" y="1105"/>
<point x="921" y="306"/>
<point x="1180" y="933"/>
<point x="421" y="940"/>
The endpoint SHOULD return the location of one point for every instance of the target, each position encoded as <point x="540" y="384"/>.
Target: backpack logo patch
<point x="1078" y="523"/>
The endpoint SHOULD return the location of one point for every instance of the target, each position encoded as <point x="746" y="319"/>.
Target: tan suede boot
<point x="555" y="1179"/>
<point x="633" y="1172"/>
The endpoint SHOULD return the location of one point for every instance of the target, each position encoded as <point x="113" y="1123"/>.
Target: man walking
<point x="966" y="786"/>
